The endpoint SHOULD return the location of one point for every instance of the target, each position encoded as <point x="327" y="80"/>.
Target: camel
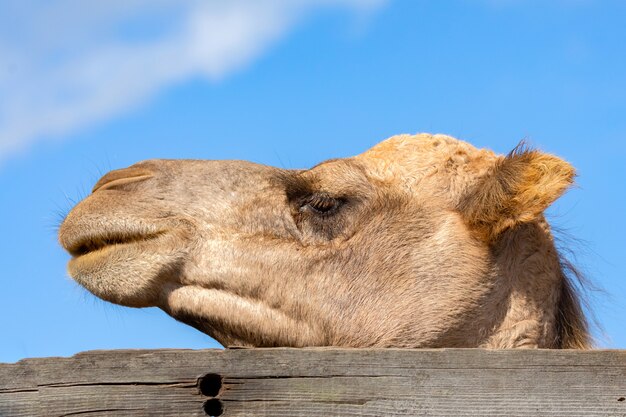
<point x="422" y="241"/>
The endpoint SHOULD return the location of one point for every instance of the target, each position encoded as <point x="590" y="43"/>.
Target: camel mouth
<point x="91" y="244"/>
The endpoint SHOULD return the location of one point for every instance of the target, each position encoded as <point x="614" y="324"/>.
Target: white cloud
<point x="65" y="64"/>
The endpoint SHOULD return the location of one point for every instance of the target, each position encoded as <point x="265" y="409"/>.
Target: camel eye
<point x="320" y="204"/>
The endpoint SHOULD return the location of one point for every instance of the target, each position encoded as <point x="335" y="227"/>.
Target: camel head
<point x="421" y="241"/>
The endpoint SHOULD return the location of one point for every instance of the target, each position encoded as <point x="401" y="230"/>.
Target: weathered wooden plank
<point x="122" y="400"/>
<point x="19" y="396"/>
<point x="304" y="382"/>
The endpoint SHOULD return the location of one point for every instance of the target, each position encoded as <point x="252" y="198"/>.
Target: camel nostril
<point x="120" y="177"/>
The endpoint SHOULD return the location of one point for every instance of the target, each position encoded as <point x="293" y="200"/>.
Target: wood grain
<point x="324" y="381"/>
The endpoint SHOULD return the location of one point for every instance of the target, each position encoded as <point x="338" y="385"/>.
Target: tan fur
<point x="422" y="241"/>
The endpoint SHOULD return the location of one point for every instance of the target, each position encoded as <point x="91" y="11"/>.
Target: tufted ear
<point x="517" y="189"/>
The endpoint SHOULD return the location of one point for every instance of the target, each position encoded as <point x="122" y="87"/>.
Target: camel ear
<point x="517" y="189"/>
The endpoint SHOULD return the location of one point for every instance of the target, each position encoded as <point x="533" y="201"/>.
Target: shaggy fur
<point x="422" y="241"/>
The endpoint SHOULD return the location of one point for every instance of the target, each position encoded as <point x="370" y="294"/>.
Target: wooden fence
<point x="317" y="382"/>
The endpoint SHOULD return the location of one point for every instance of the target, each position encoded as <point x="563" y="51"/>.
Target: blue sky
<point x="88" y="88"/>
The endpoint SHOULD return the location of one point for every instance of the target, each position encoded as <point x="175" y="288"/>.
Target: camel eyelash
<point x="310" y="203"/>
<point x="321" y="204"/>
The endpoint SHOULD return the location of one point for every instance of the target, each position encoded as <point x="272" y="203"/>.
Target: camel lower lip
<point x="127" y="273"/>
